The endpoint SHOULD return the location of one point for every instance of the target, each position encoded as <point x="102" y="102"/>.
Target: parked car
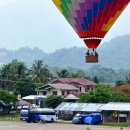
<point x="79" y="119"/>
<point x="89" y="119"/>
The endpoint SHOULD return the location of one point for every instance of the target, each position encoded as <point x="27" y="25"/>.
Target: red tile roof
<point x="124" y="89"/>
<point x="126" y="86"/>
<point x="75" y="81"/>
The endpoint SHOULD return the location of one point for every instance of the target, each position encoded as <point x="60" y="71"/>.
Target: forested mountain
<point x="114" y="54"/>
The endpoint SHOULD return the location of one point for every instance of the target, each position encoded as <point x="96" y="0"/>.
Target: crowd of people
<point x="92" y="53"/>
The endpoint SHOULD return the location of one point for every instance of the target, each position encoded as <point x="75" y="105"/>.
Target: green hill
<point x="114" y="54"/>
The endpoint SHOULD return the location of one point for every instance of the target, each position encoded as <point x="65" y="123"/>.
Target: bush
<point x="88" y="128"/>
<point x="7" y="99"/>
<point x="53" y="101"/>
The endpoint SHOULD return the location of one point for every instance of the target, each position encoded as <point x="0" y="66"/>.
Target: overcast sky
<point x="38" y="23"/>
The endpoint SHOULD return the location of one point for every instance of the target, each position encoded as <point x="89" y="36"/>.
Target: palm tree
<point x="39" y="72"/>
<point x="17" y="70"/>
<point x="12" y="72"/>
<point x="4" y="76"/>
<point x="96" y="80"/>
<point x="63" y="73"/>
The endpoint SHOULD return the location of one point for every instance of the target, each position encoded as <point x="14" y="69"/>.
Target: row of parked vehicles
<point x="49" y="115"/>
<point x="90" y="119"/>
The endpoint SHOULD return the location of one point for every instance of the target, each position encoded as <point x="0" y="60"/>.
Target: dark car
<point x="79" y="119"/>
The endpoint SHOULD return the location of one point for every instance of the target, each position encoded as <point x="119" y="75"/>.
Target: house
<point x="22" y="104"/>
<point x="82" y="84"/>
<point x="65" y="86"/>
<point x="67" y="111"/>
<point x="35" y="100"/>
<point x="116" y="112"/>
<point x="56" y="89"/>
<point x="124" y="89"/>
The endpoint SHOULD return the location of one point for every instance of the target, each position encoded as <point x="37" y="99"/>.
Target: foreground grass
<point x="10" y="117"/>
<point x="63" y="122"/>
<point x="116" y="124"/>
<point x="102" y="124"/>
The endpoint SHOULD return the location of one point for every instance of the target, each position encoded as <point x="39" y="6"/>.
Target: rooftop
<point x="33" y="97"/>
<point x="22" y="102"/>
<point x="83" y="107"/>
<point x="126" y="86"/>
<point x="124" y="89"/>
<point x="116" y="106"/>
<point x="59" y="86"/>
<point x="75" y="81"/>
<point x="71" y="96"/>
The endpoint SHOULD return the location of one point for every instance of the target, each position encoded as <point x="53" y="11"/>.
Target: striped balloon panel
<point x="91" y="18"/>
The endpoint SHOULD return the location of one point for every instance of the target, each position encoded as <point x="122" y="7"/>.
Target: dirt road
<point x="39" y="126"/>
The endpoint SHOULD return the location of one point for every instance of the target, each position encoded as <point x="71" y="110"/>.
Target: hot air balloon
<point x="91" y="20"/>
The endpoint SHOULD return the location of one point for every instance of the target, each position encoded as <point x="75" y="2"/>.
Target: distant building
<point x="116" y="112"/>
<point x="22" y="103"/>
<point x="124" y="89"/>
<point x="111" y="112"/>
<point x="56" y="89"/>
<point x="82" y="84"/>
<point x="35" y="100"/>
<point x="66" y="86"/>
<point x="68" y="110"/>
<point x="71" y="97"/>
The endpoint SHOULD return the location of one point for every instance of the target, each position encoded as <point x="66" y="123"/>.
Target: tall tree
<point x="11" y="72"/>
<point x="63" y="73"/>
<point x="24" y="87"/>
<point x="96" y="80"/>
<point x="78" y="74"/>
<point x="103" y="94"/>
<point x="40" y="72"/>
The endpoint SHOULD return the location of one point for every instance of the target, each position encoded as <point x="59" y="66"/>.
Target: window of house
<point x="44" y="92"/>
<point x="80" y="89"/>
<point x="55" y="93"/>
<point x="63" y="93"/>
<point x="68" y="92"/>
<point x="87" y="89"/>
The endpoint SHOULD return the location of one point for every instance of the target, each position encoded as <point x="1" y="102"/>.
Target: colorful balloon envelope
<point x="91" y="19"/>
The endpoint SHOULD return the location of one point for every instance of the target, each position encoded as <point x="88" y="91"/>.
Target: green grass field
<point x="10" y="117"/>
<point x="15" y="118"/>
<point x="116" y="124"/>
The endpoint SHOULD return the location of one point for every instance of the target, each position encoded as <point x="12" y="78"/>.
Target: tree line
<point x="16" y="72"/>
<point x="22" y="80"/>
